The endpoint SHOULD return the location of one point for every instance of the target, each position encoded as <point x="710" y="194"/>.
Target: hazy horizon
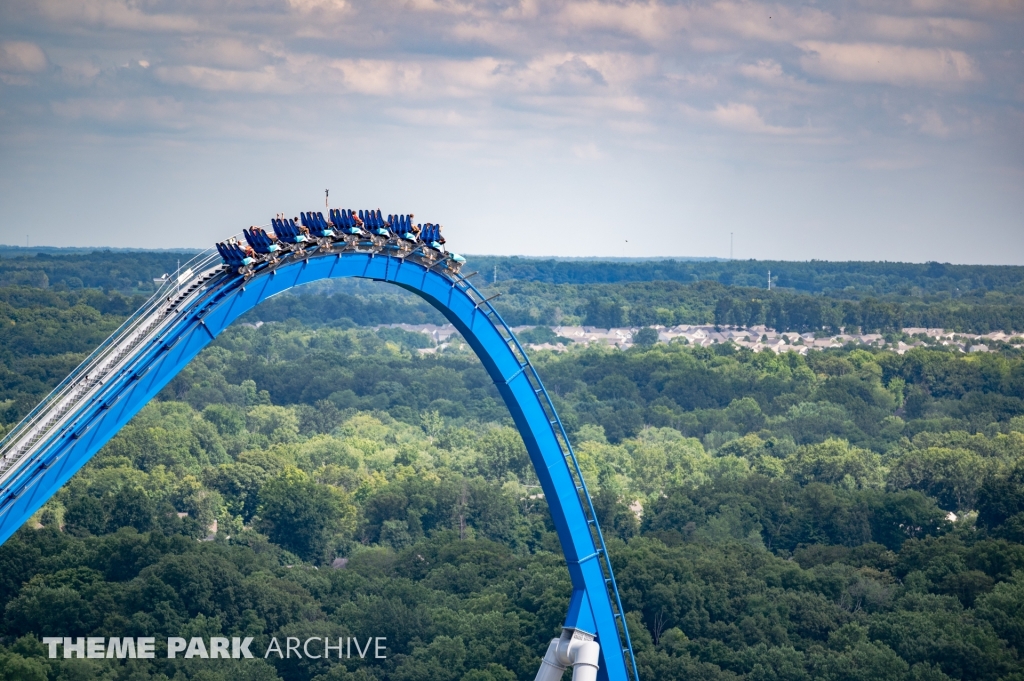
<point x="593" y="258"/>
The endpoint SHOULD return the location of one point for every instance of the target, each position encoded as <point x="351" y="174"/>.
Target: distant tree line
<point x="787" y="312"/>
<point x="671" y="303"/>
<point x="808" y="296"/>
<point x="125" y="271"/>
<point x="814" y="276"/>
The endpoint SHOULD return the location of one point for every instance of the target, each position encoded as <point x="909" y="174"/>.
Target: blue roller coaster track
<point x="189" y="310"/>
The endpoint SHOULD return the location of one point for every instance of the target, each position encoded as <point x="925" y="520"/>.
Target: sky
<point x="853" y="130"/>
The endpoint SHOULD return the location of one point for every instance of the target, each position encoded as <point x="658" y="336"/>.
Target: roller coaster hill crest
<point x="208" y="293"/>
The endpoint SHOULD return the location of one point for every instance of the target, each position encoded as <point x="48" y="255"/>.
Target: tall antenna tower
<point x="495" y="275"/>
<point x="769" y="280"/>
<point x="730" y="245"/>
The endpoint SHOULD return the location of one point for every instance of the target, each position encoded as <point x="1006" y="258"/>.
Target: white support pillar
<point x="550" y="667"/>
<point x="574" y="648"/>
<point x="584" y="665"/>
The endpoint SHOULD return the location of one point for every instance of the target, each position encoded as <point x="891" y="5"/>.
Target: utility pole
<point x="326" y="192"/>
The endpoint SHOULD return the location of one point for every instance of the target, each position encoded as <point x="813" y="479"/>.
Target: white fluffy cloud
<point x="18" y="56"/>
<point x="648" y="21"/>
<point x="892" y="64"/>
<point x="612" y="64"/>
<point x="739" y="117"/>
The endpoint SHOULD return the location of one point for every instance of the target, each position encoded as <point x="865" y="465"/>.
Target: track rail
<point x="89" y="377"/>
<point x="82" y="413"/>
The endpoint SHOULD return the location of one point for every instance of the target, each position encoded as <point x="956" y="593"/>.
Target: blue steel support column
<point x="156" y="362"/>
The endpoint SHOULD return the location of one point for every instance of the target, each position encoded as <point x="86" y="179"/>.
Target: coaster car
<point x="376" y="224"/>
<point x="454" y="262"/>
<point x="405" y="234"/>
<point x="345" y="228"/>
<point x="320" y="227"/>
<point x="234" y="257"/>
<point x="346" y="222"/>
<point x="349" y="226"/>
<point x="260" y="241"/>
<point x="287" y="231"/>
<point x="431" y="236"/>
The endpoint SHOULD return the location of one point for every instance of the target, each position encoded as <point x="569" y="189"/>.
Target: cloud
<point x="891" y="164"/>
<point x="739" y="117"/>
<point x="21" y="57"/>
<point x="449" y="118"/>
<point x="331" y="6"/>
<point x="525" y="9"/>
<point x="503" y="34"/>
<point x="891" y="64"/>
<point x="974" y="7"/>
<point x="609" y="76"/>
<point x="444" y="6"/>
<point x="79" y="72"/>
<point x="610" y="68"/>
<point x="707" y="26"/>
<point x="929" y="123"/>
<point x="648" y="21"/>
<point x="606" y="75"/>
<point x="267" y="80"/>
<point x="379" y="77"/>
<point x="221" y="52"/>
<point x="588" y="152"/>
<point x="700" y="81"/>
<point x="770" y="72"/>
<point x="931" y="29"/>
<point x="760" y="21"/>
<point x="162" y="111"/>
<point x="115" y="14"/>
<point x="308" y="73"/>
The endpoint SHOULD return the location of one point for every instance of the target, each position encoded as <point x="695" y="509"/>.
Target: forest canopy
<point x="845" y="514"/>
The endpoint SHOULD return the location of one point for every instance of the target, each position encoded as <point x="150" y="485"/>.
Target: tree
<point x="836" y="462"/>
<point x="131" y="507"/>
<point x="85" y="516"/>
<point x="905" y="515"/>
<point x="14" y="667"/>
<point x="228" y="420"/>
<point x="953" y="476"/>
<point x="645" y="337"/>
<point x="503" y="452"/>
<point x="303" y="516"/>
<point x="278" y="424"/>
<point x="605" y="313"/>
<point x="239" y="483"/>
<point x="1002" y="608"/>
<point x="1001" y="497"/>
